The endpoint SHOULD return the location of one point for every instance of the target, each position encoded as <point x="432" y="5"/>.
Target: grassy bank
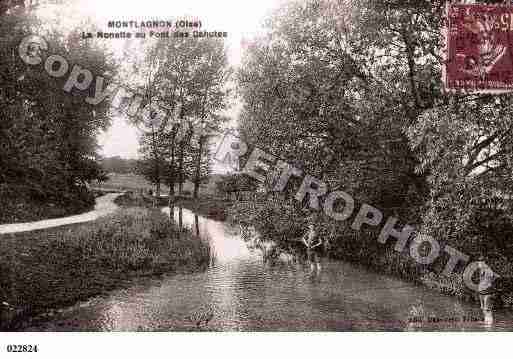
<point x="54" y="268"/>
<point x="208" y="207"/>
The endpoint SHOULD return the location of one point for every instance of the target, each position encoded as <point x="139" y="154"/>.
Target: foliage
<point x="351" y="93"/>
<point x="309" y="98"/>
<point x="189" y="76"/>
<point x="234" y="183"/>
<point x="47" y="136"/>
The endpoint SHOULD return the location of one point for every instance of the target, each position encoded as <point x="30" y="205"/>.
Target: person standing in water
<point x="486" y="290"/>
<point x="312" y="243"/>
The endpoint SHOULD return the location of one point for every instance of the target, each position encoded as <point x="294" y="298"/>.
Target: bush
<point x="452" y="285"/>
<point x="24" y="204"/>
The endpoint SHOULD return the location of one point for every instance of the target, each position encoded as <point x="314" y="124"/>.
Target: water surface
<point x="242" y="292"/>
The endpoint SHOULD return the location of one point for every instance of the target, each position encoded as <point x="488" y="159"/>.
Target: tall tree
<point x="47" y="136"/>
<point x="351" y="91"/>
<point x="191" y="79"/>
<point x="309" y="97"/>
<point x="462" y="141"/>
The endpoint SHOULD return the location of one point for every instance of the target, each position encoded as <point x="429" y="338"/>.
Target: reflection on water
<point x="242" y="291"/>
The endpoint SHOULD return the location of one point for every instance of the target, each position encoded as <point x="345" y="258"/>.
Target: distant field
<point x="133" y="182"/>
<point x="127" y="182"/>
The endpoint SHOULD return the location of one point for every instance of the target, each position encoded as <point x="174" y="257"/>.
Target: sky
<point x="240" y="18"/>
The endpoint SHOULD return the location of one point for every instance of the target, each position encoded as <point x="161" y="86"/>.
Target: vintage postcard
<point x="270" y="166"/>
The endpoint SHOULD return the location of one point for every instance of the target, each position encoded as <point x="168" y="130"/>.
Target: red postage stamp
<point x="479" y="40"/>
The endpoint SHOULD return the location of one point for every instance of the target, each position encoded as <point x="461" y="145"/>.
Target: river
<point x="241" y="292"/>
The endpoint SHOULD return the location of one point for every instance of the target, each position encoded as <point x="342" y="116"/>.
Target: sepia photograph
<point x="278" y="166"/>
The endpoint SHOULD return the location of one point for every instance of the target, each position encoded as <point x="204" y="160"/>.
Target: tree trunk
<point x="183" y="145"/>
<point x="197" y="175"/>
<point x="172" y="174"/>
<point x="157" y="162"/>
<point x="196" y="224"/>
<point x="180" y="171"/>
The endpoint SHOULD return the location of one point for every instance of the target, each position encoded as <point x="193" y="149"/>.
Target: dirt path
<point x="104" y="205"/>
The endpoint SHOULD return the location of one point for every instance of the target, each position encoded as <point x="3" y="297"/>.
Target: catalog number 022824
<point x="25" y="348"/>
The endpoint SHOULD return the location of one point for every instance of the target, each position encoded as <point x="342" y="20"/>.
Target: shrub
<point x="24" y="204"/>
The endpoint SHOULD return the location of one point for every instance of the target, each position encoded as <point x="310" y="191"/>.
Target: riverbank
<point x="51" y="269"/>
<point x="209" y="207"/>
